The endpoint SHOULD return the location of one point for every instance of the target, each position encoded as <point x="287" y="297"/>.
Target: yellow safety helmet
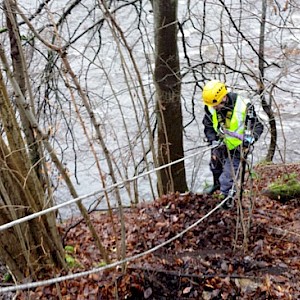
<point x="213" y="92"/>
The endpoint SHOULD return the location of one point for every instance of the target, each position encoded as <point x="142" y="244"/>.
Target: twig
<point x="179" y="274"/>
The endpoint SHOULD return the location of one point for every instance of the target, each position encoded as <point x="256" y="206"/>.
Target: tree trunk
<point x="20" y="73"/>
<point x="168" y="91"/>
<point x="266" y="107"/>
<point x="33" y="248"/>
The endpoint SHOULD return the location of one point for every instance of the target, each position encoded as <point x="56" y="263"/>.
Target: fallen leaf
<point x="187" y="290"/>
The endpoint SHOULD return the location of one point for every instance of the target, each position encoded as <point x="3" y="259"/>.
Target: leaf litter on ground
<point x="214" y="260"/>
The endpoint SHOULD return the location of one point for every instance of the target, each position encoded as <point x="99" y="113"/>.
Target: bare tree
<point x="31" y="248"/>
<point x="21" y="75"/>
<point x="168" y="96"/>
<point x="261" y="89"/>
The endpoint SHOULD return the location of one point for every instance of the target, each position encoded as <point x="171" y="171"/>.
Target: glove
<point x="221" y="132"/>
<point x="215" y="144"/>
<point x="248" y="141"/>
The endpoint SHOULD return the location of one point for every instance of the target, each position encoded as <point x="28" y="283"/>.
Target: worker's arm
<point x="209" y="131"/>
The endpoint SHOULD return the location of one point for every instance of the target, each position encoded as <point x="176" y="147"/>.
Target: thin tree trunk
<point x="32" y="248"/>
<point x="20" y="73"/>
<point x="41" y="136"/>
<point x="267" y="107"/>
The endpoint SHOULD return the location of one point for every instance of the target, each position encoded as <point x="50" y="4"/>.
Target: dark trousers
<point x="224" y="165"/>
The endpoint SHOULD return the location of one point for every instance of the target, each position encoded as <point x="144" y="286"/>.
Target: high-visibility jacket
<point x="236" y="123"/>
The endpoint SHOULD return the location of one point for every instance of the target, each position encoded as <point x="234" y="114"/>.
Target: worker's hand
<point x="248" y="141"/>
<point x="215" y="144"/>
<point x="216" y="149"/>
<point x="221" y="132"/>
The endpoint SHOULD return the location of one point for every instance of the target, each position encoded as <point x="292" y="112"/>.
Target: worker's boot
<point x="230" y="199"/>
<point x="212" y="188"/>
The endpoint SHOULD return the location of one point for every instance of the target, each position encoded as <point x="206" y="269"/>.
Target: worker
<point x="230" y="125"/>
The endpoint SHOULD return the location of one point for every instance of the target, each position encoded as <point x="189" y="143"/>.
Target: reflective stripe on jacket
<point x="237" y="122"/>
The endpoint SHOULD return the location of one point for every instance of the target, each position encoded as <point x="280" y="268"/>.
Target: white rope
<point x="112" y="265"/>
<point x="69" y="202"/>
